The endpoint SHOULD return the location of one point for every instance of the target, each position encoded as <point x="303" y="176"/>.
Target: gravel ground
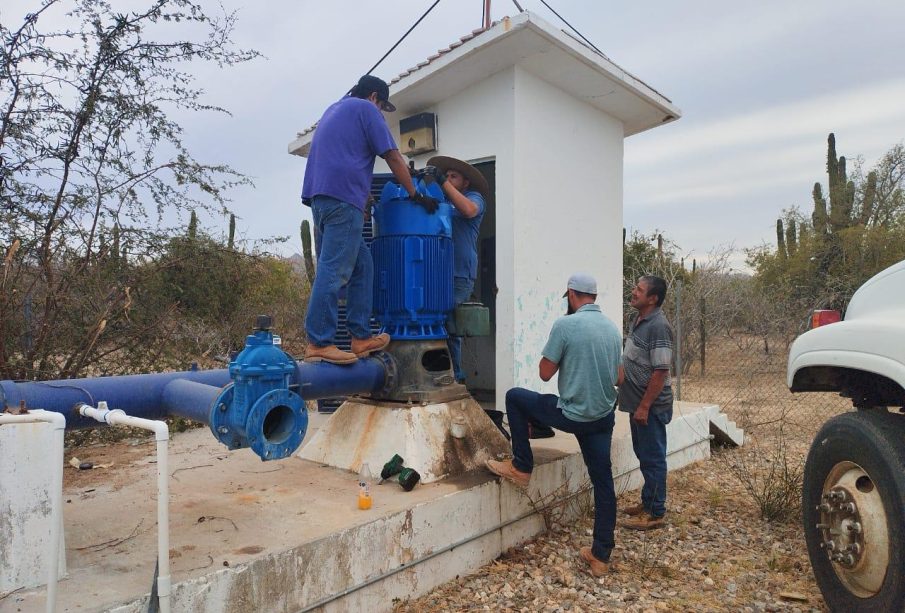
<point x="715" y="554"/>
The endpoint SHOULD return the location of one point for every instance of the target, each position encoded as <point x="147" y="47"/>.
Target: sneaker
<point x="634" y="510"/>
<point x="506" y="470"/>
<point x="598" y="568"/>
<point x="644" y="521"/>
<point x="362" y="347"/>
<point x="330" y="353"/>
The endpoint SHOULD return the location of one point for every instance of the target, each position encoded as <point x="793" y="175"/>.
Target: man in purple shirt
<point x="349" y="137"/>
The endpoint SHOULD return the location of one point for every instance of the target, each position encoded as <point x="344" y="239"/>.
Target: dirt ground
<point x="715" y="554"/>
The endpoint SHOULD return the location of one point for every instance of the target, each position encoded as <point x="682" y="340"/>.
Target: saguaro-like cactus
<point x="791" y="238"/>
<point x="193" y="225"/>
<point x="780" y="239"/>
<point x="231" y="241"/>
<point x="306" y="249"/>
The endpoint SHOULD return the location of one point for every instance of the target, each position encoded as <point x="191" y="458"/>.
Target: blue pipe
<point x="255" y="403"/>
<point x="137" y="395"/>
<point x="323" y="380"/>
<point x="188" y="394"/>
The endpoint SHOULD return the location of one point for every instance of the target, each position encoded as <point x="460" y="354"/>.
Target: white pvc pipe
<point x="58" y="421"/>
<point x="161" y="431"/>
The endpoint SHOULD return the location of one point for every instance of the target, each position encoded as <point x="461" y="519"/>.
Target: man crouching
<point x="586" y="349"/>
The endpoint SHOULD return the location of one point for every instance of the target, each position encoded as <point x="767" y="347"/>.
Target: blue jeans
<point x="461" y="292"/>
<point x="594" y="438"/>
<point x="343" y="259"/>
<point x="649" y="443"/>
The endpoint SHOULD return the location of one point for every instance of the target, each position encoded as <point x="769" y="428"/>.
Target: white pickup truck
<point x="853" y="498"/>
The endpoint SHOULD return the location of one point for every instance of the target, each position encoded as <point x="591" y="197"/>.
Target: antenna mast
<point x="486" y="14"/>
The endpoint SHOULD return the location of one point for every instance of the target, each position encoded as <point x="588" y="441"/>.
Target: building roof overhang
<point x="547" y="52"/>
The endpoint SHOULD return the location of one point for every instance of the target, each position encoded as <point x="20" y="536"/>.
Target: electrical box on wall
<point x="418" y="134"/>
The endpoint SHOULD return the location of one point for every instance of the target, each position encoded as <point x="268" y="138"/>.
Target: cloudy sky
<point x="760" y="85"/>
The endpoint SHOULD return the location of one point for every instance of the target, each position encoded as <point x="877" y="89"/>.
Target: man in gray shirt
<point x="585" y="348"/>
<point x="647" y="395"/>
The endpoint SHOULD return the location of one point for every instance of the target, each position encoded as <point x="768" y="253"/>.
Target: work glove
<point x="438" y="176"/>
<point x="430" y="204"/>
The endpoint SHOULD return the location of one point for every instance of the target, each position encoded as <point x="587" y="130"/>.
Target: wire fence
<point x="744" y="372"/>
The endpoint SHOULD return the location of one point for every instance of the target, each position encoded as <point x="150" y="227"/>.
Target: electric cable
<point x="409" y="31"/>
<point x="580" y="35"/>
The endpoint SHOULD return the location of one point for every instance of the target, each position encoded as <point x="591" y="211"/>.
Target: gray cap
<point x="581" y="282"/>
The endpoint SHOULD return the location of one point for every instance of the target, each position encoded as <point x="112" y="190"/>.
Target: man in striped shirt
<point x="646" y="394"/>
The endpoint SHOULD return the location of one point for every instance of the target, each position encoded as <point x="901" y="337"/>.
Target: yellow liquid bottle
<point x="364" y="488"/>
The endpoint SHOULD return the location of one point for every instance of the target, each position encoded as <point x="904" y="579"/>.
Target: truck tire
<point x="853" y="510"/>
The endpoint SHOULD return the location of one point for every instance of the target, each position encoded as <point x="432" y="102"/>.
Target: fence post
<point x="679" y="339"/>
<point x="703" y="336"/>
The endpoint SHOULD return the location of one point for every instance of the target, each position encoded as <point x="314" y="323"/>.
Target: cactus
<point x="231" y="241"/>
<point x="306" y="249"/>
<point x="791" y="238"/>
<point x="820" y="219"/>
<point x="193" y="226"/>
<point x="780" y="239"/>
<point x="841" y="190"/>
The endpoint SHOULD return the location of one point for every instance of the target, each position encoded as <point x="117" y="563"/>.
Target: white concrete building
<point x="544" y="117"/>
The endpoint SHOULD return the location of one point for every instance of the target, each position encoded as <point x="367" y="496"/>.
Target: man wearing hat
<point x="585" y="348"/>
<point x="349" y="137"/>
<point x="466" y="189"/>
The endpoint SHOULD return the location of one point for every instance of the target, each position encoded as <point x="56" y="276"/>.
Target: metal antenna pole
<point x="486" y="14"/>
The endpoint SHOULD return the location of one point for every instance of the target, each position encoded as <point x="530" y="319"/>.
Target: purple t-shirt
<point x="350" y="135"/>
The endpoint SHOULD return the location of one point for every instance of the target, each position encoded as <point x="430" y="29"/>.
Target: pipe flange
<point x="390" y="370"/>
<point x="276" y="424"/>
<point x="219" y="421"/>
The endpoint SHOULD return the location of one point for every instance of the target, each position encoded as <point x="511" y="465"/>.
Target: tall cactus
<point x="306" y="249"/>
<point x="791" y="238"/>
<point x="780" y="239"/>
<point x="841" y="190"/>
<point x="820" y="219"/>
<point x="231" y="241"/>
<point x="193" y="225"/>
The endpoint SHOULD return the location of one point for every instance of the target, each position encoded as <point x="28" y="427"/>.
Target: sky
<point x="759" y="84"/>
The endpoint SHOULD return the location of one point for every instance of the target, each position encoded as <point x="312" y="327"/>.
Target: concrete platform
<point x="287" y="536"/>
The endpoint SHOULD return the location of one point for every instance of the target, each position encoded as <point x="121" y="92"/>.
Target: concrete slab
<point x="287" y="536"/>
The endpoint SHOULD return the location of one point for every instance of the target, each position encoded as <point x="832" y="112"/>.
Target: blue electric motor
<point x="413" y="264"/>
<point x="258" y="410"/>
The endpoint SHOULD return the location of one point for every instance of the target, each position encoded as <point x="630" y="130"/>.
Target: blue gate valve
<point x="257" y="409"/>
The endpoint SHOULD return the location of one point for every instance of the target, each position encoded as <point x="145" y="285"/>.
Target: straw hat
<point x="476" y="180"/>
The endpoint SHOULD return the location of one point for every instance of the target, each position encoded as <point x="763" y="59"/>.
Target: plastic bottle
<point x="364" y="487"/>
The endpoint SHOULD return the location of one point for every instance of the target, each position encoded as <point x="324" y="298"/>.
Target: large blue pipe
<point x="188" y="394"/>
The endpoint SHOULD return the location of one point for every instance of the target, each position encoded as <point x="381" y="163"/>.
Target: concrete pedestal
<point x="27" y="455"/>
<point x="438" y="440"/>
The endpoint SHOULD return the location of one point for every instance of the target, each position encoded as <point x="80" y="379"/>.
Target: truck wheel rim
<point x="853" y="529"/>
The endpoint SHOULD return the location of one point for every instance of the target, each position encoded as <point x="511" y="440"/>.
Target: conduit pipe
<point x="154" y="396"/>
<point x="117" y="417"/>
<point x="56" y="494"/>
